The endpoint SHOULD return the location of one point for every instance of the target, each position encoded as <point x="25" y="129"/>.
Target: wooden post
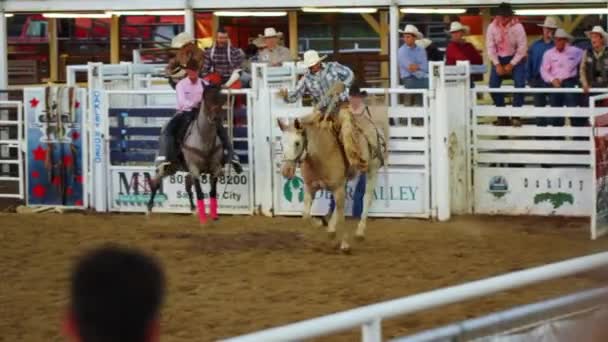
<point x="384" y="43"/>
<point x="335" y="29"/>
<point x="53" y="50"/>
<point x="293" y="34"/>
<point x="215" y="25"/>
<point x="115" y="40"/>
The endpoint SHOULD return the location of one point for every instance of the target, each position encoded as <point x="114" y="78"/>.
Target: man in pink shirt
<point x="189" y="96"/>
<point x="507" y="46"/>
<point x="559" y="69"/>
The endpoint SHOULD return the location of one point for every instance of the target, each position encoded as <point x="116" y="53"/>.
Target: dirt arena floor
<point x="245" y="274"/>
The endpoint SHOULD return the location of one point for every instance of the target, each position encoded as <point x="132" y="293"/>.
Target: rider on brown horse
<point x="189" y="96"/>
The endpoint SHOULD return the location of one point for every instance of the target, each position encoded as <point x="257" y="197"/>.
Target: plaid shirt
<point x="217" y="59"/>
<point x="318" y="84"/>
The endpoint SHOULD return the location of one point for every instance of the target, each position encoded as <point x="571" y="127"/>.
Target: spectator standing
<point x="594" y="66"/>
<point x="559" y="69"/>
<point x="273" y="54"/>
<point x="506" y="45"/>
<point x="222" y="57"/>
<point x="535" y="59"/>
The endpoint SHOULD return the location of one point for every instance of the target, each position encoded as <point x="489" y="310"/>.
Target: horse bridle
<point x="302" y="155"/>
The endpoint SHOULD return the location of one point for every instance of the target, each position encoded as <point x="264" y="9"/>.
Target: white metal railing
<point x="369" y="317"/>
<point x="6" y="144"/>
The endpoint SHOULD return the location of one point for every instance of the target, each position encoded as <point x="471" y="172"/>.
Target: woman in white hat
<point x="535" y="58"/>
<point x="188" y="50"/>
<point x="459" y="49"/>
<point x="594" y="67"/>
<point x="274" y="54"/>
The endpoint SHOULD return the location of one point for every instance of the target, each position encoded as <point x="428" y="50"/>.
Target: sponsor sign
<point x="533" y="191"/>
<point x="404" y="194"/>
<point x="130" y="191"/>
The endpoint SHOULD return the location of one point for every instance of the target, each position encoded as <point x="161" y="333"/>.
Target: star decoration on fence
<point x="39" y="191"/>
<point x="35" y="174"/>
<point x="39" y="153"/>
<point x="78" y="179"/>
<point x="77" y="104"/>
<point x="67" y="161"/>
<point x="34" y="102"/>
<point x="75" y="135"/>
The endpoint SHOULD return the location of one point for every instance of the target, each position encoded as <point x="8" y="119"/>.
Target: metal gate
<point x="11" y="150"/>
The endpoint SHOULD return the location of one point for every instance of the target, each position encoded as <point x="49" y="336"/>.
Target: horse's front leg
<point x="200" y="200"/>
<point x="188" y="184"/>
<point x="309" y="195"/>
<point x="337" y="219"/>
<point x="154" y="186"/>
<point x="213" y="205"/>
<point x="372" y="178"/>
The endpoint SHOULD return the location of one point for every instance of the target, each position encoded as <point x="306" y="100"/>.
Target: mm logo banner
<point x="130" y="192"/>
<point x="403" y="195"/>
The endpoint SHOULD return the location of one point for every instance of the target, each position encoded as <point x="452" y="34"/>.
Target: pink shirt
<point x="505" y="41"/>
<point x="189" y="94"/>
<point x="560" y="65"/>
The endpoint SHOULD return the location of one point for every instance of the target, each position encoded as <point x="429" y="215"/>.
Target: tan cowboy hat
<point x="560" y="33"/>
<point x="270" y="32"/>
<point x="413" y="30"/>
<point x="550" y="22"/>
<point x="311" y="57"/>
<point x="181" y="40"/>
<point x="456" y="26"/>
<point x="599" y="30"/>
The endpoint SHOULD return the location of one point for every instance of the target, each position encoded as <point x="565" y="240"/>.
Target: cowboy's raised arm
<point x="295" y="95"/>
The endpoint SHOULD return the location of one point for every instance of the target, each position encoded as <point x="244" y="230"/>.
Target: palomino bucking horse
<point x="318" y="152"/>
<point x="202" y="154"/>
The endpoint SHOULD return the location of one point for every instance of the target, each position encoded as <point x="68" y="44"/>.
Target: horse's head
<point x="213" y="100"/>
<point x="294" y="146"/>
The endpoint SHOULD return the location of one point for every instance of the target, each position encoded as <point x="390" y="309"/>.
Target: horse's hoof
<point x="317" y="223"/>
<point x="345" y="250"/>
<point x="331" y="235"/>
<point x="360" y="238"/>
<point x="148" y="213"/>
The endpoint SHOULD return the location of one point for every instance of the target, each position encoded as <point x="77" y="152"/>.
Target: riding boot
<point x="167" y="149"/>
<point x="230" y="157"/>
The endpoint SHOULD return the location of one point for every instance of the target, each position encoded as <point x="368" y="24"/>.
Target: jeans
<point x="561" y="99"/>
<point x="519" y="79"/>
<point x="415" y="83"/>
<point x="540" y="99"/>
<point x="357" y="198"/>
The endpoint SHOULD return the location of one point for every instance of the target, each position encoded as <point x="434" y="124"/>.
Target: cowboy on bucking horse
<point x="328" y="85"/>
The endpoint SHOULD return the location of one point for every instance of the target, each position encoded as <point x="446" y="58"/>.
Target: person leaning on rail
<point x="594" y="66"/>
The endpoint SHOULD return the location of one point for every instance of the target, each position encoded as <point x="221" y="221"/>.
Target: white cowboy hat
<point x="411" y="29"/>
<point x="597" y="29"/>
<point x="456" y="26"/>
<point x="181" y="40"/>
<point x="550" y="22"/>
<point x="270" y="32"/>
<point x="560" y="33"/>
<point x="311" y="57"/>
<point x="424" y="42"/>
